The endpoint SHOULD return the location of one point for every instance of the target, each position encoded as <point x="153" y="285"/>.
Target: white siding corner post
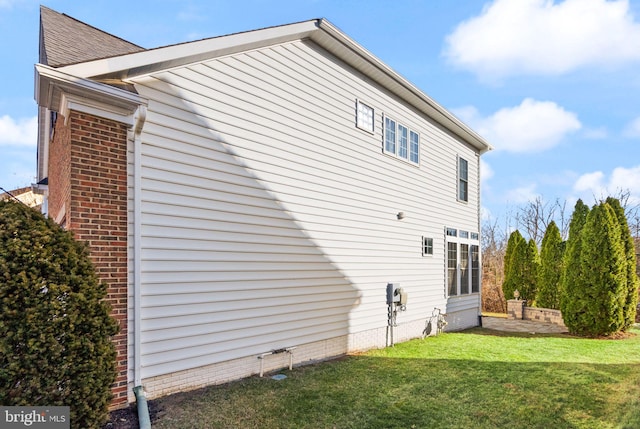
<point x="139" y="117"/>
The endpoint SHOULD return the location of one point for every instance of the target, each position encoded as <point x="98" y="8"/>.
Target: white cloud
<point x="633" y="128"/>
<point x="8" y="4"/>
<point x="597" y="185"/>
<point x="590" y="182"/>
<point x="191" y="14"/>
<point x="595" y="133"/>
<point x="545" y="37"/>
<point x="533" y="126"/>
<point x="21" y="132"/>
<point x="486" y="172"/>
<point x="522" y="194"/>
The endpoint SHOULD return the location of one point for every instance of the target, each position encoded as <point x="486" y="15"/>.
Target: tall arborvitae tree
<point x="550" y="271"/>
<point x="631" y="299"/>
<point x="514" y="260"/>
<point x="571" y="294"/>
<point x="603" y="274"/>
<point x="530" y="266"/>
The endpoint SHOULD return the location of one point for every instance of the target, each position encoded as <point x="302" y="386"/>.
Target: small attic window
<point x="364" y="116"/>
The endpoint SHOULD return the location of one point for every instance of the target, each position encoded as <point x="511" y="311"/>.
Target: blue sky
<point x="552" y="85"/>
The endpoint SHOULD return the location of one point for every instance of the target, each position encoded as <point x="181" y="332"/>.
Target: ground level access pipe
<point x="143" y="408"/>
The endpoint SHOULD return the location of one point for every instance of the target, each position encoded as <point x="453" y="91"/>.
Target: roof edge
<point x="150" y="60"/>
<point x="386" y="76"/>
<point x="320" y="31"/>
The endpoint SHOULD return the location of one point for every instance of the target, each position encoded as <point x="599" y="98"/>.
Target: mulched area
<point x="127" y="418"/>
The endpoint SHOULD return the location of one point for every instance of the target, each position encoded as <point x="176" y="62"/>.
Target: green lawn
<point x="473" y="379"/>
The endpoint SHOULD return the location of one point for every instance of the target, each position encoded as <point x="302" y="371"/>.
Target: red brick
<point x="88" y="180"/>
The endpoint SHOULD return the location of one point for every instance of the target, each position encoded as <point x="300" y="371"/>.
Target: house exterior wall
<point x="88" y="172"/>
<point x="269" y="219"/>
<point x="59" y="172"/>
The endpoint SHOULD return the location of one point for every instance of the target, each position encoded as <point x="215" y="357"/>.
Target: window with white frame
<point x="364" y="116"/>
<point x="400" y="141"/>
<point x="427" y="246"/>
<point x="463" y="179"/>
<point x="475" y="268"/>
<point x="463" y="262"/>
<point x="452" y="268"/>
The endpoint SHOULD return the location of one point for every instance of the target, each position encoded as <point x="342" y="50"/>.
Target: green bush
<point x="528" y="286"/>
<point x="55" y="328"/>
<point x="571" y="302"/>
<point x="514" y="258"/>
<point x="520" y="267"/>
<point x="631" y="299"/>
<point x="550" y="271"/>
<point x="602" y="287"/>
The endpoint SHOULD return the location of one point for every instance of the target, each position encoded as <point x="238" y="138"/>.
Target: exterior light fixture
<point x="400" y="215"/>
<point x="516" y="294"/>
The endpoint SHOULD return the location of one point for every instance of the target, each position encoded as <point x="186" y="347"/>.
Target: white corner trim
<point x="70" y="102"/>
<point x="135" y="132"/>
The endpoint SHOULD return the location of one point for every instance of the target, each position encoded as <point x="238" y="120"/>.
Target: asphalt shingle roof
<point x="65" y="40"/>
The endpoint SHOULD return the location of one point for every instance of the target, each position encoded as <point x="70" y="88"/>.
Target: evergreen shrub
<point x="55" y="328"/>
<point x="550" y="270"/>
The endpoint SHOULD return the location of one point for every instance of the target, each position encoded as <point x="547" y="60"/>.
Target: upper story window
<point x="463" y="179"/>
<point x="364" y="116"/>
<point x="400" y="141"/>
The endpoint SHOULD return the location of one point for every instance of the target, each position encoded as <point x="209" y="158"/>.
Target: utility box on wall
<point x="396" y="295"/>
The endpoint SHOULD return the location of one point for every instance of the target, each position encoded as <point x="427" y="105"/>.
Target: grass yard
<point x="472" y="379"/>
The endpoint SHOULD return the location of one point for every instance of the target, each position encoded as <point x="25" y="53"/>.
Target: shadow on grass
<point x="387" y="392"/>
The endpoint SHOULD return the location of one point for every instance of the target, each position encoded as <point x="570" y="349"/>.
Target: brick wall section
<point x="546" y="315"/>
<point x="515" y="309"/>
<point x="59" y="170"/>
<point x="98" y="215"/>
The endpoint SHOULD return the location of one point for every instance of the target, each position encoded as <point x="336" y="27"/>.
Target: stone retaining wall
<point x="517" y="309"/>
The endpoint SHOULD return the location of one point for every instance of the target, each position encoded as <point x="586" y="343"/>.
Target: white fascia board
<point x="51" y="84"/>
<point x="60" y="92"/>
<point x="148" y="61"/>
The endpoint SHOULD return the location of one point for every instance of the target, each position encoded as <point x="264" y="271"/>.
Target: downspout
<point x="479" y="240"/>
<point x="141" y="401"/>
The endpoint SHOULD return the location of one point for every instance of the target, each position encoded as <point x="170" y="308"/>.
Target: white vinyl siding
<point x="269" y="221"/>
